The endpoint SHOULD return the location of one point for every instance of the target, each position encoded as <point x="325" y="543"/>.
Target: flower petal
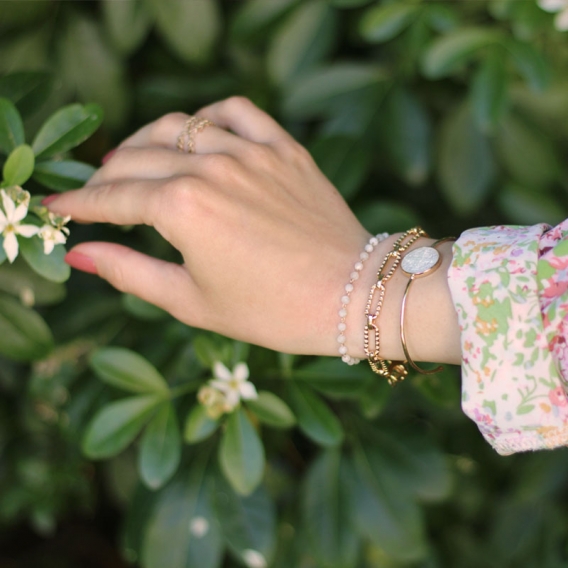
<point x="221" y="372"/>
<point x="8" y="204"/>
<point x="11" y="246"/>
<point x="26" y="230"/>
<point x="48" y="246"/>
<point x="561" y="21"/>
<point x="232" y="398"/>
<point x="248" y="391"/>
<point x="241" y="372"/>
<point x="20" y="212"/>
<point x="552" y="5"/>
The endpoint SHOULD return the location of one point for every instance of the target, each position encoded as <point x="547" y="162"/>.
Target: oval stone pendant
<point x="420" y="261"/>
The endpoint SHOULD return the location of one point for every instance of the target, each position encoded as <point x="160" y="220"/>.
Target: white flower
<point x="254" y="559"/>
<point x="234" y="385"/>
<point x="52" y="236"/>
<point x="560" y="6"/>
<point x="199" y="527"/>
<point x="10" y="225"/>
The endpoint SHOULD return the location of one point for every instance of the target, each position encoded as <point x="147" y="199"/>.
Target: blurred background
<point x="447" y="114"/>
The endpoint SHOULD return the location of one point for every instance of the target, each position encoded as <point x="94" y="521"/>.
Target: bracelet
<point x="342" y="326"/>
<point x="417" y="263"/>
<point x="393" y="371"/>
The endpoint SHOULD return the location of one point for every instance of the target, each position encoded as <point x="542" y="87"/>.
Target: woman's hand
<point x="268" y="243"/>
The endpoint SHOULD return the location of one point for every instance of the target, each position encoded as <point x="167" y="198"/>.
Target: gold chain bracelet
<point x="393" y="371"/>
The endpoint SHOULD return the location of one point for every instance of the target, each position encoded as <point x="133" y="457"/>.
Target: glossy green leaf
<point x="408" y="136"/>
<point x="127" y="23"/>
<point x="210" y="348"/>
<point x="241" y="453"/>
<point x="527" y="207"/>
<point x="183" y="531"/>
<point x="66" y="128"/>
<point x="382" y="512"/>
<point x="373" y="398"/>
<point x="19" y="166"/>
<point x="28" y="90"/>
<point x="255" y="16"/>
<point x="379" y="216"/>
<point x="141" y="309"/>
<point x="302" y="42"/>
<point x="160" y="448"/>
<point x="465" y="161"/>
<point x="443" y="389"/>
<point x="531" y="64"/>
<point x="247" y="522"/>
<point x="24" y="335"/>
<point x="116" y="425"/>
<point x="344" y="160"/>
<point x="272" y="410"/>
<point x="63" y="175"/>
<point x="314" y="416"/>
<point x="127" y="370"/>
<point x="384" y="22"/>
<point x="189" y="28"/>
<point x="11" y="127"/>
<point x="442" y="17"/>
<point x="529" y="157"/>
<point x="319" y="92"/>
<point x="326" y="504"/>
<point x="489" y="92"/>
<point x="198" y="425"/>
<point x="51" y="266"/>
<point x="451" y="51"/>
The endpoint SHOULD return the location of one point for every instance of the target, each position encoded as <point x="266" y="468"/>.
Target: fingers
<point x="164" y="284"/>
<point x="244" y="118"/>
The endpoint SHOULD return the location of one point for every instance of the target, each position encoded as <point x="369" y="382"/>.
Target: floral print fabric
<point x="509" y="285"/>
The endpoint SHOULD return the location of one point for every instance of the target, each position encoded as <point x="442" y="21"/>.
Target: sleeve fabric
<point x="509" y="285"/>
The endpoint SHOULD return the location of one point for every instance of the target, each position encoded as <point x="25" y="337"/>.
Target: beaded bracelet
<point x="342" y="326"/>
<point x="393" y="371"/>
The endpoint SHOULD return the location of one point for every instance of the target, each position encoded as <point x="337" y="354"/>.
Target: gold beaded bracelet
<point x="393" y="371"/>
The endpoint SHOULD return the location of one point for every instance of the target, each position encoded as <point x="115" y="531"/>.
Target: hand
<point x="267" y="241"/>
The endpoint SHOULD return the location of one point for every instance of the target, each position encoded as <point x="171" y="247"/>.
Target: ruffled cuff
<point x="511" y="386"/>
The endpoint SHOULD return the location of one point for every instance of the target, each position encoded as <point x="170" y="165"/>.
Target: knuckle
<point x="294" y="152"/>
<point x="171" y="122"/>
<point x="182" y="195"/>
<point x="220" y="167"/>
<point x="238" y="103"/>
<point x="260" y="154"/>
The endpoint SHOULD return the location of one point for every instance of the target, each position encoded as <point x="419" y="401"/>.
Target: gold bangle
<point x="393" y="371"/>
<point x="420" y="262"/>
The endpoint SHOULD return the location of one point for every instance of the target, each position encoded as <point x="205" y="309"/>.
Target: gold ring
<point x="193" y="126"/>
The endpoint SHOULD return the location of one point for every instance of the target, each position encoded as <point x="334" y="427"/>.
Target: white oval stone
<point x="420" y="260"/>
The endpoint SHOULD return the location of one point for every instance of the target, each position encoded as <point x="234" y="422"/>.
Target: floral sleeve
<point x="509" y="285"/>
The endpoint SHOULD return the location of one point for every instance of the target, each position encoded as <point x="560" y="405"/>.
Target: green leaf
<point x="66" y="128"/>
<point x="127" y="24"/>
<point x="383" y="23"/>
<point x="183" y="531"/>
<point x="321" y="91"/>
<point x="302" y="42"/>
<point x="465" y="161"/>
<point x="314" y="417"/>
<point x="24" y="335"/>
<point x="117" y="424"/>
<point x="531" y="64"/>
<point x="382" y="512"/>
<point x="51" y="266"/>
<point x="345" y="161"/>
<point x="489" y="92"/>
<point x="379" y="216"/>
<point x="408" y="136"/>
<point x="210" y="348"/>
<point x="255" y="16"/>
<point x="529" y="156"/>
<point x="28" y="90"/>
<point x="11" y="127"/>
<point x="527" y="207"/>
<point x="333" y="539"/>
<point x="455" y="49"/>
<point x="349" y="3"/>
<point x="190" y="29"/>
<point x="272" y="410"/>
<point x="247" y="522"/>
<point x="160" y="448"/>
<point x="63" y="175"/>
<point x="241" y="454"/>
<point x="198" y="425"/>
<point x="19" y="166"/>
<point x="127" y="370"/>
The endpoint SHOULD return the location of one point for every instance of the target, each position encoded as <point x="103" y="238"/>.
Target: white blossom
<point x="11" y="226"/>
<point x="254" y="559"/>
<point x="560" y="6"/>
<point x="234" y="385"/>
<point x="52" y="236"/>
<point x="199" y="527"/>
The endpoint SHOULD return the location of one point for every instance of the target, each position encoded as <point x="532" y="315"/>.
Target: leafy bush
<point x="446" y="114"/>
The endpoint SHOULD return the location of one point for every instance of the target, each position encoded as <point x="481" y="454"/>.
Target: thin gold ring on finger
<point x="192" y="127"/>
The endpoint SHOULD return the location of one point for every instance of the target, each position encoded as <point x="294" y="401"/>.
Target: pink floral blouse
<point x="509" y="286"/>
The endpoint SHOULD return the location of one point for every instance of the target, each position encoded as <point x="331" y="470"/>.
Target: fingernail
<point x="108" y="156"/>
<point x="47" y="200"/>
<point x="81" y="262"/>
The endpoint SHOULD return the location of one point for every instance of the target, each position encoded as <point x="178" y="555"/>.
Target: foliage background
<point x="447" y="114"/>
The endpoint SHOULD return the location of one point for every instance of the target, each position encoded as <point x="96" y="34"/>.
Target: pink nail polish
<point x="108" y="156"/>
<point x="47" y="200"/>
<point x="81" y="262"/>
